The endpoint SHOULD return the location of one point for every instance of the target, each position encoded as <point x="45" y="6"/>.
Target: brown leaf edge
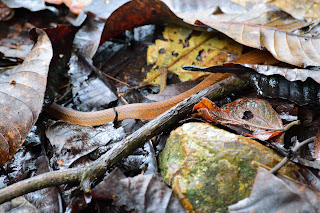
<point x="291" y="48"/>
<point x="209" y="111"/>
<point x="21" y="96"/>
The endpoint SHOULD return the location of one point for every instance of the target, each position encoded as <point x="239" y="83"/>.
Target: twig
<point x="285" y="160"/>
<point x="293" y="123"/>
<point x="85" y="176"/>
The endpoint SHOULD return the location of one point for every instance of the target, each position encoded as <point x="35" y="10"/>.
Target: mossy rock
<point x="210" y="168"/>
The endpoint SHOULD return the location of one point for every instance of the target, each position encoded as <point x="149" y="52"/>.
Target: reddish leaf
<point x="255" y="115"/>
<point x="136" y="13"/>
<point x="22" y="96"/>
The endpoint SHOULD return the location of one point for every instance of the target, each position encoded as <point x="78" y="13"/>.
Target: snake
<point x="143" y="111"/>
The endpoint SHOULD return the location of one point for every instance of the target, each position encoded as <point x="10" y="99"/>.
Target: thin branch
<point x="85" y="176"/>
<point x="285" y="160"/>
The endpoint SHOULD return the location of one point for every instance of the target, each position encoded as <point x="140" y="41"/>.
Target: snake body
<point x="143" y="111"/>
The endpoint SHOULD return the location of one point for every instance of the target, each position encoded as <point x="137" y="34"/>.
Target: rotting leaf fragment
<point x="255" y="115"/>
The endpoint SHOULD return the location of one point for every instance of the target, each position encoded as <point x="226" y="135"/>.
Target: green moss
<point x="213" y="167"/>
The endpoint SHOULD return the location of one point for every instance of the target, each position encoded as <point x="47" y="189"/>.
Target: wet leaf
<point x="144" y="193"/>
<point x="256" y="115"/>
<point x="22" y="96"/>
<point x="74" y="143"/>
<point x="278" y="194"/>
<point x="88" y="90"/>
<point x="288" y="47"/>
<point x="45" y="199"/>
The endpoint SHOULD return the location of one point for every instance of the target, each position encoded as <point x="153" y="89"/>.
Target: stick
<point x="85" y="176"/>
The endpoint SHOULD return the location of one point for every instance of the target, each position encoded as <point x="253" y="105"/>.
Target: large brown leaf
<point x="255" y="115"/>
<point x="21" y="96"/>
<point x="294" y="49"/>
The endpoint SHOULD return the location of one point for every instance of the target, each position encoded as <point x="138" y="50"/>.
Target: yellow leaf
<point x="187" y="47"/>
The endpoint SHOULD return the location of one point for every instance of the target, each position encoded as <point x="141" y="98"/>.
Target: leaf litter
<point x="247" y="114"/>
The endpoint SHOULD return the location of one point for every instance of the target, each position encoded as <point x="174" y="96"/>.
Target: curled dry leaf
<point x="255" y="115"/>
<point x="21" y="96"/>
<point x="288" y="47"/>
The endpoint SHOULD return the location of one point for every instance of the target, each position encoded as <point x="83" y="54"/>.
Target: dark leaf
<point x="136" y="13"/>
<point x="88" y="93"/>
<point x="45" y="199"/>
<point x="256" y="115"/>
<point x="74" y="143"/>
<point x="278" y="194"/>
<point x="22" y="96"/>
<point x="144" y="193"/>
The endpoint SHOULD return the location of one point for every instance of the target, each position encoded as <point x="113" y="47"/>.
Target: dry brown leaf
<point x="288" y="47"/>
<point x="21" y="96"/>
<point x="256" y="115"/>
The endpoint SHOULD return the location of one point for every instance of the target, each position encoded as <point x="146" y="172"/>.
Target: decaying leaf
<point x="185" y="46"/>
<point x="45" y="199"/>
<point x="144" y="193"/>
<point x="74" y="143"/>
<point x="288" y="47"/>
<point x="22" y="96"/>
<point x="278" y="194"/>
<point x="256" y="115"/>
